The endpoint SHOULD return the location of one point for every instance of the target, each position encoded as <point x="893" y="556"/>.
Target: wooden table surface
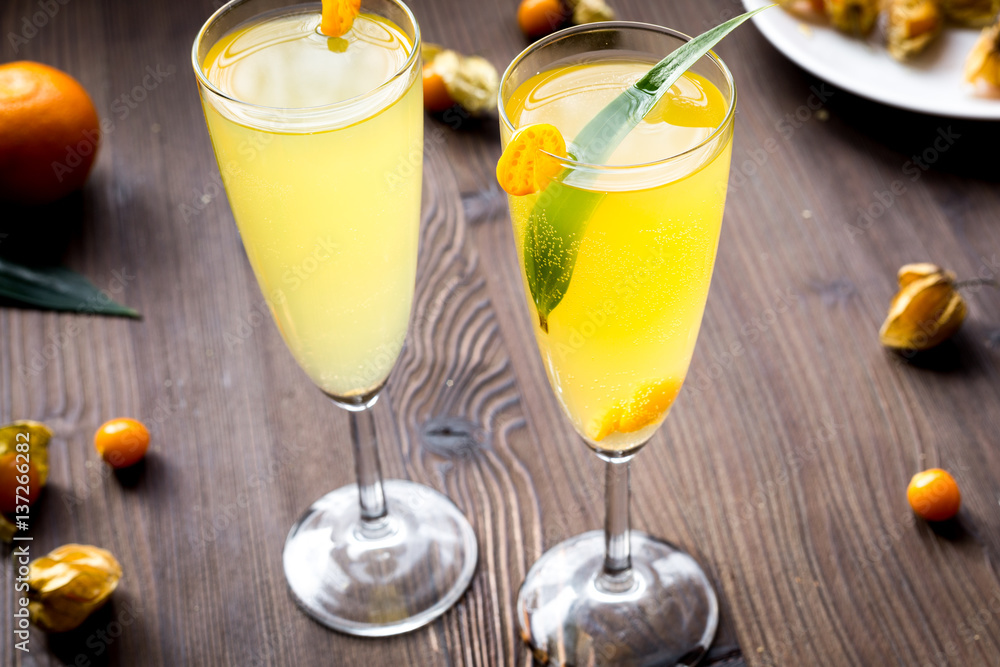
<point x="782" y="467"/>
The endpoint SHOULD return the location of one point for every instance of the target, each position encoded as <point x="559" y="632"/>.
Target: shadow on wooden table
<point x="96" y="642"/>
<point x="953" y="530"/>
<point x="954" y="356"/>
<point x="42" y="234"/>
<point x="959" y="146"/>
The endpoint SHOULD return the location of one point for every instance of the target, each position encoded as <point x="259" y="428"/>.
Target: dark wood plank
<point x="782" y="466"/>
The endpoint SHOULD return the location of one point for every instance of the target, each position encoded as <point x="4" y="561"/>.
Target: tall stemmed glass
<point x="617" y="344"/>
<point x="312" y="134"/>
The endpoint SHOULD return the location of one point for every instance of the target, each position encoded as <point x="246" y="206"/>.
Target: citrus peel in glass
<point x="338" y="16"/>
<point x="646" y="406"/>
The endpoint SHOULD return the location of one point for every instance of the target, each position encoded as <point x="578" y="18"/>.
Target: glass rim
<point x="215" y="90"/>
<point x="620" y="25"/>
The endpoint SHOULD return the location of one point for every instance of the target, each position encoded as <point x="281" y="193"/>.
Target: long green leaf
<point x="559" y="217"/>
<point x="56" y="288"/>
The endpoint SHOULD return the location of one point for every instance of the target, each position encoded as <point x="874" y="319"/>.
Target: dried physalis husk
<point x="36" y="436"/>
<point x="471" y="81"/>
<point x="855" y="17"/>
<point x="7" y="530"/>
<point x="68" y="584"/>
<point x="913" y="25"/>
<point x="926" y="311"/>
<point x="590" y="11"/>
<point x="974" y="13"/>
<point x="33" y="438"/>
<point x="983" y="63"/>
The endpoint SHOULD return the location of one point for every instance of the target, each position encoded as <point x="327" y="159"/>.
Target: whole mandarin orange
<point x="49" y="133"/>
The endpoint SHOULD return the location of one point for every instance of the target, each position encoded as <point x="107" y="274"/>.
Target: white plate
<point x="931" y="83"/>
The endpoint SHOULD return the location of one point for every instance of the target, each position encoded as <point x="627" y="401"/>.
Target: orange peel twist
<point x="338" y="16"/>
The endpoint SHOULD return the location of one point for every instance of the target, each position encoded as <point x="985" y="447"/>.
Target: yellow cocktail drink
<point x="328" y="200"/>
<point x="619" y="343"/>
<point x="315" y="114"/>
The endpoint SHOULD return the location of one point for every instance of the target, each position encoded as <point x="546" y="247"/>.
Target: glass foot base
<point x="384" y="580"/>
<point x="667" y="615"/>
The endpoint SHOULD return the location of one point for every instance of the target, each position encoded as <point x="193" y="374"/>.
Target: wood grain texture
<point x="782" y="467"/>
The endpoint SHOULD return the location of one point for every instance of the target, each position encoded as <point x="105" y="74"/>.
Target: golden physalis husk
<point x="926" y="311"/>
<point x="36" y="435"/>
<point x="7" y="530"/>
<point x="983" y="63"/>
<point x="68" y="584"/>
<point x="856" y="17"/>
<point x="974" y="13"/>
<point x="590" y="11"/>
<point x="913" y="25"/>
<point x="471" y="81"/>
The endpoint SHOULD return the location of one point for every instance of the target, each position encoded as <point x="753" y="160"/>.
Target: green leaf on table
<point x="56" y="288"/>
<point x="559" y="217"/>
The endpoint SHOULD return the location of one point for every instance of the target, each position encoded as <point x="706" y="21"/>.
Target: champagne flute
<point x="617" y="344"/>
<point x="306" y="130"/>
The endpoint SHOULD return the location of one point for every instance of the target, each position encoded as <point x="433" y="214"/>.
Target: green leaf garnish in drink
<point x="557" y="220"/>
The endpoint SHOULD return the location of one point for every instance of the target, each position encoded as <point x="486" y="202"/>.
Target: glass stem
<point x="369" y="471"/>
<point x="617" y="574"/>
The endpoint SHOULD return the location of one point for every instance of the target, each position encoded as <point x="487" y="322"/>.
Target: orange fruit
<point x="527" y="163"/>
<point x="540" y="17"/>
<point x="647" y="405"/>
<point x="338" y="16"/>
<point x="436" y="95"/>
<point x="49" y="133"/>
<point x="934" y="495"/>
<point x="9" y="483"/>
<point x="122" y="442"/>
